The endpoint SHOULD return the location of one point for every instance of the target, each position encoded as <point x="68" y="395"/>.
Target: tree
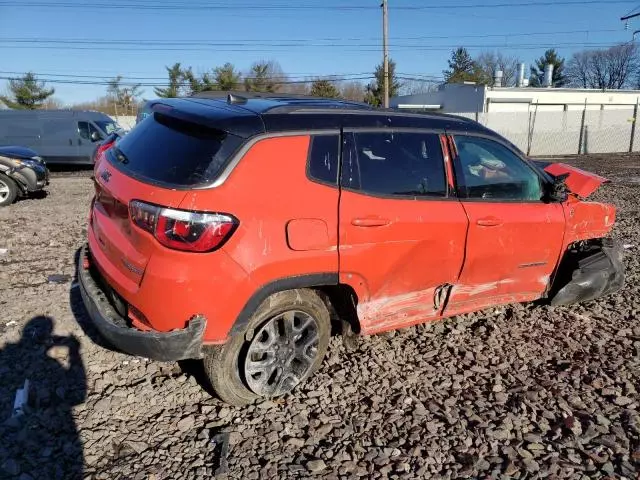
<point x="324" y="88"/>
<point x="354" y="91"/>
<point x="462" y="68"/>
<point x="418" y="87"/>
<point x="176" y="82"/>
<point x="611" y="68"/>
<point x="264" y="77"/>
<point x="558" y="78"/>
<point x="195" y="84"/>
<point x="27" y="92"/>
<point x="124" y="97"/>
<point x="375" y="90"/>
<point x="226" y="77"/>
<point x="488" y="63"/>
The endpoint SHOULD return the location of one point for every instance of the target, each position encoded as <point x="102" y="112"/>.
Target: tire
<point x="8" y="190"/>
<point x="225" y="364"/>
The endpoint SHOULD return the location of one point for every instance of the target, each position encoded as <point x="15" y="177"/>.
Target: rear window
<point x="166" y="150"/>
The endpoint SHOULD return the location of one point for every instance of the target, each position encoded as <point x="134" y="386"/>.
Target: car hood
<point x="580" y="182"/>
<point x="17" y="152"/>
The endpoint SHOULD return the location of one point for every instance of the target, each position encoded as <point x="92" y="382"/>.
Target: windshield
<point x="106" y="126"/>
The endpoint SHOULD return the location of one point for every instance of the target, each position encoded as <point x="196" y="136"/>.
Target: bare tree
<point x="612" y="68"/>
<point x="418" y="87"/>
<point x="490" y="62"/>
<point x="124" y="97"/>
<point x="354" y="91"/>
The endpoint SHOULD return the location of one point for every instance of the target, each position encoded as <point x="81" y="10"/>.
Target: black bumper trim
<point x="165" y="346"/>
<point x="597" y="275"/>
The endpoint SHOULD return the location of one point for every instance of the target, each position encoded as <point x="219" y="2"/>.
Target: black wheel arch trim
<point x="280" y="285"/>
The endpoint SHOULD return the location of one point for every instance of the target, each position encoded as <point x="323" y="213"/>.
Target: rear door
<point x="88" y="136"/>
<point x="514" y="237"/>
<point x="401" y="233"/>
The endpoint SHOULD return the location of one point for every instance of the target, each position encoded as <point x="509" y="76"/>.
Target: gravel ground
<point x="513" y="392"/>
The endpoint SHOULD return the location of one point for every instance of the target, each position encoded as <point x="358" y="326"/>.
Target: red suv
<point x="238" y="230"/>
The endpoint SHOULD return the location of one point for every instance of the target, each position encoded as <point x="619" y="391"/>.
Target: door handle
<point x="71" y="142"/>
<point x="489" y="222"/>
<point x="370" y="222"/>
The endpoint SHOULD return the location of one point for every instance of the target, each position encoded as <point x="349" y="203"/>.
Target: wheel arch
<point x="340" y="299"/>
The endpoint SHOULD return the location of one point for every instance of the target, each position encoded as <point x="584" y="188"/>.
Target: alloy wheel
<point x="4" y="190"/>
<point x="282" y="353"/>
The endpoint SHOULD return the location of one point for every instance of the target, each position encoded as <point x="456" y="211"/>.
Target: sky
<point x="87" y="42"/>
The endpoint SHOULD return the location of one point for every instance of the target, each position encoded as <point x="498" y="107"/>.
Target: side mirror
<point x="95" y="136"/>
<point x="557" y="191"/>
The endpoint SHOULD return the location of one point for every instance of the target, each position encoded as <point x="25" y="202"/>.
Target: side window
<point x="488" y="170"/>
<point x="399" y="163"/>
<point x="94" y="133"/>
<point x="83" y="130"/>
<point x="324" y="158"/>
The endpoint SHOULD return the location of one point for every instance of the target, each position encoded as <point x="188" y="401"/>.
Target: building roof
<point x="247" y="115"/>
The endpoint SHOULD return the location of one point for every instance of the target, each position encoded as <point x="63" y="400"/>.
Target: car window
<point x="485" y="169"/>
<point x="83" y="130"/>
<point x="397" y="163"/>
<point x="170" y="151"/>
<point x="323" y="158"/>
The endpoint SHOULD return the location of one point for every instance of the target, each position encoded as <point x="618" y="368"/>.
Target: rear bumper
<point x="178" y="344"/>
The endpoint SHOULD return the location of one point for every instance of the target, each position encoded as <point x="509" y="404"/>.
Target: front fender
<point x="597" y="274"/>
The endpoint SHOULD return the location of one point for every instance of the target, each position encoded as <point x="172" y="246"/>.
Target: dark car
<point x="22" y="171"/>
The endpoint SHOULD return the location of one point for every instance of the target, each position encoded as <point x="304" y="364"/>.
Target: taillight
<point x="182" y="229"/>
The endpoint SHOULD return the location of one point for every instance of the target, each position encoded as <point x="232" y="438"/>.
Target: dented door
<point x="514" y="238"/>
<point x="401" y="234"/>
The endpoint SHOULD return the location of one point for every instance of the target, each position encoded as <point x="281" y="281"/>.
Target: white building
<point x="472" y="98"/>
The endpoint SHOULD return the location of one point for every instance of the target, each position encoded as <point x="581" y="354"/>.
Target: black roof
<point x="247" y="114"/>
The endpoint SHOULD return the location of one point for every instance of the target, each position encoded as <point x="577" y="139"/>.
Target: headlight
<point x="28" y="163"/>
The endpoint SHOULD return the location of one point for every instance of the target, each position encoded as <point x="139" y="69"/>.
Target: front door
<point x="401" y="234"/>
<point x="514" y="237"/>
<point x="88" y="135"/>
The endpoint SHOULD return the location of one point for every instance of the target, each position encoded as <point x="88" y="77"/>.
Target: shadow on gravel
<point x="39" y="195"/>
<point x="40" y="440"/>
<point x="192" y="368"/>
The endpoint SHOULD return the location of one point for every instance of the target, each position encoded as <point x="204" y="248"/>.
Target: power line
<point x="131" y="5"/>
<point x="282" y="49"/>
<point x="276" y="81"/>
<point x="289" y="75"/>
<point x="283" y="42"/>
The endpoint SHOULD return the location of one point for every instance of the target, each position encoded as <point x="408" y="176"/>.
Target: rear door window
<point x="399" y="164"/>
<point x="324" y="153"/>
<point x="175" y="152"/>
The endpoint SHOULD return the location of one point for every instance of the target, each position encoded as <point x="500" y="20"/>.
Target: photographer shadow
<point x="40" y="438"/>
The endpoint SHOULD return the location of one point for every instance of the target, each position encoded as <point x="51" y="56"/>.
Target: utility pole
<point x="385" y="48"/>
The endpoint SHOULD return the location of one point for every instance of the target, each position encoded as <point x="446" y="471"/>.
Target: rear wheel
<point x="8" y="190"/>
<point x="291" y="333"/>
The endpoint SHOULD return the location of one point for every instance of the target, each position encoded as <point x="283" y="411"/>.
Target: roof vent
<point x="235" y="99"/>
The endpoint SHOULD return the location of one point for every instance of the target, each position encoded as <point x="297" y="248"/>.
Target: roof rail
<point x="248" y="95"/>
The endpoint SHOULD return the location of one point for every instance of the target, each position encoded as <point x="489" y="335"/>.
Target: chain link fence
<point x="569" y="132"/>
